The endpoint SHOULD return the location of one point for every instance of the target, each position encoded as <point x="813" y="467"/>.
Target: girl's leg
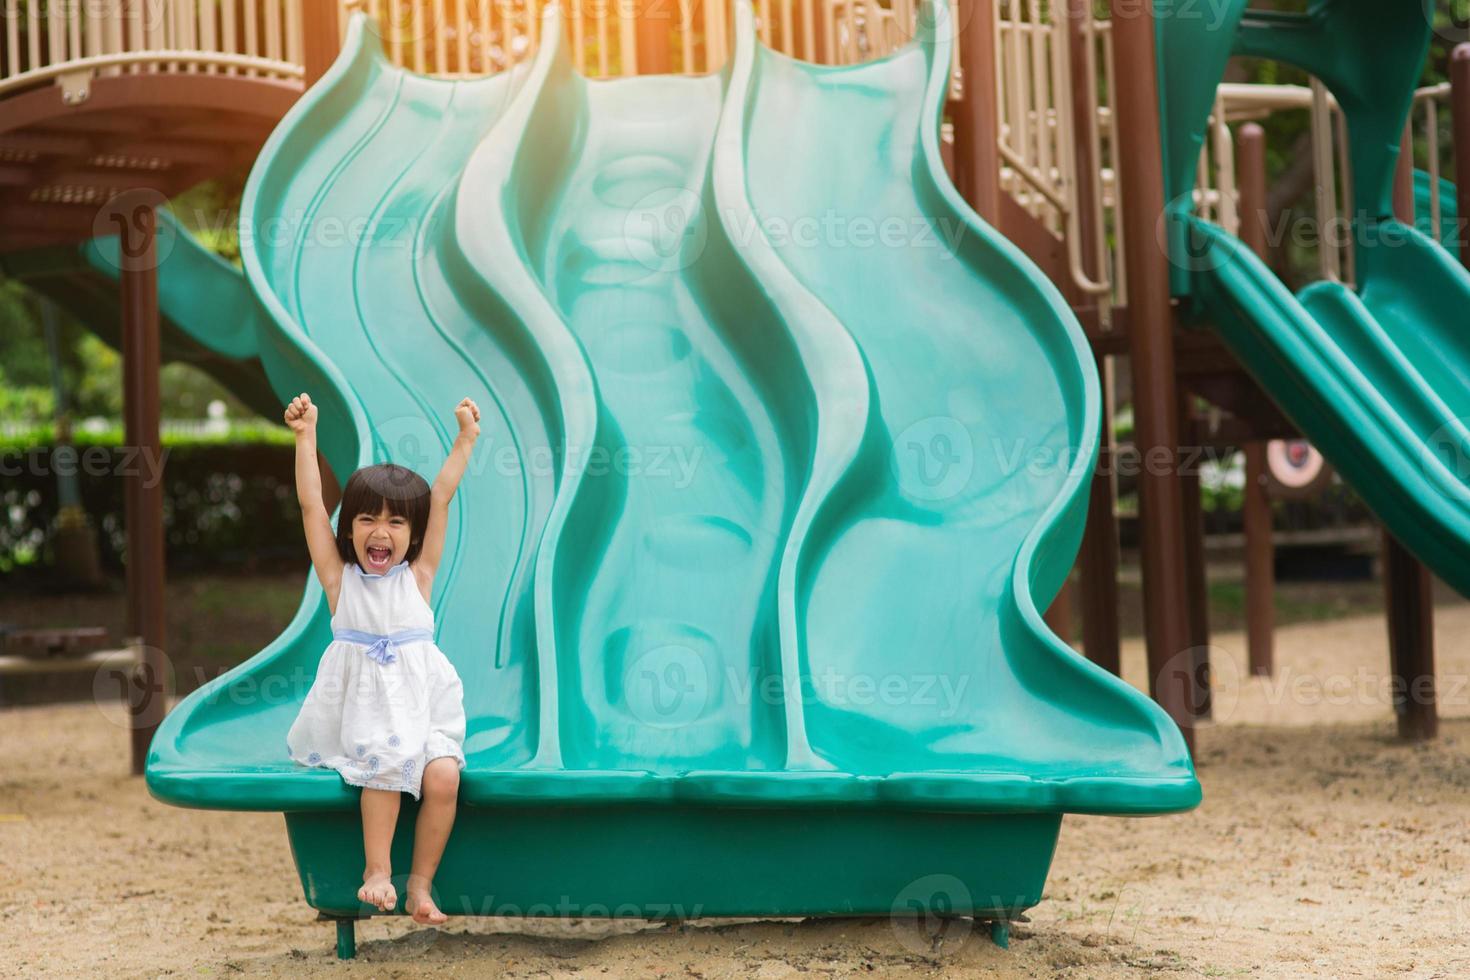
<point x="438" y="798"/>
<point x="379" y="817"/>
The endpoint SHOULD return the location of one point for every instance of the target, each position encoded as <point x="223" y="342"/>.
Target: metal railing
<point x="1038" y="139"/>
<point x="1217" y="196"/>
<point x="609" y="38"/>
<point x="1040" y="80"/>
<point x="1429" y="103"/>
<point x="68" y="41"/>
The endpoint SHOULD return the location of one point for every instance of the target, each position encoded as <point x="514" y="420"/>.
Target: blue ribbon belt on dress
<point x="380" y="646"/>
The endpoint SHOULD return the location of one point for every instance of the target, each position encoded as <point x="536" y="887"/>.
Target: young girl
<point x="386" y="709"/>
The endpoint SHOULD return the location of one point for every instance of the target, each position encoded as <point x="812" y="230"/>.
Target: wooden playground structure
<point x="1053" y="136"/>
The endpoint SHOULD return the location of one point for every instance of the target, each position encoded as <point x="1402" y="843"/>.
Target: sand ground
<point x="1325" y="848"/>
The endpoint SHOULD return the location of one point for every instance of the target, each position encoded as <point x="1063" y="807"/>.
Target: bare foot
<point x="377" y="889"/>
<point x="423" y="909"/>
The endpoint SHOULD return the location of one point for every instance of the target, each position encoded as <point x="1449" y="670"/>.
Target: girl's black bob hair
<point x="369" y="490"/>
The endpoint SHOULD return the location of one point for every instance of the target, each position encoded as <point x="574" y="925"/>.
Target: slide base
<point x="686" y="863"/>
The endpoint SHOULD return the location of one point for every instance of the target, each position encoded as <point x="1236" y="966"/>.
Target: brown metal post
<point x="1098" y="560"/>
<point x="331" y="489"/>
<point x="1059" y="614"/>
<point x="1403" y="179"/>
<point x="655" y="20"/>
<point x="820" y="55"/>
<point x="1260" y="549"/>
<point x="1410" y="640"/>
<point x="1250" y="165"/>
<point x="1196" y="583"/>
<point x="1460" y="121"/>
<point x="1084" y="124"/>
<point x="143" y="486"/>
<point x="321" y="37"/>
<point x="977" y="156"/>
<point x="1260" y="564"/>
<point x="1406" y="582"/>
<point x="1172" y="679"/>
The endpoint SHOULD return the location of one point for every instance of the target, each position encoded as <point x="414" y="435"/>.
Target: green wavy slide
<point x="782" y="452"/>
<point x="1376" y="373"/>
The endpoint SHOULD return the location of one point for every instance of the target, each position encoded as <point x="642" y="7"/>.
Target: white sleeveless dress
<point x="386" y="700"/>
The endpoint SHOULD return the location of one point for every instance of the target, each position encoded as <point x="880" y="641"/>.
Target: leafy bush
<point x="227" y="504"/>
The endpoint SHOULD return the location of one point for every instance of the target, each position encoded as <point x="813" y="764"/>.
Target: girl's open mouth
<point x="378" y="557"/>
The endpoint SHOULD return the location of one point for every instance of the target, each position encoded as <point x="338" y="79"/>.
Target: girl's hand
<point x="468" y="414"/>
<point x="301" y="414"/>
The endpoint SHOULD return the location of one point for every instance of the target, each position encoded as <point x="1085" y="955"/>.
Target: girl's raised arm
<point x="321" y="540"/>
<point x="467" y="413"/>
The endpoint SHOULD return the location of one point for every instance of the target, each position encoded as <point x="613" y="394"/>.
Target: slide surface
<point x="782" y="448"/>
<point x="1376" y="376"/>
<point x="1378" y="379"/>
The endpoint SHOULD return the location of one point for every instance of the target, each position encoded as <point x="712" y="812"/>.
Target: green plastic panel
<point x="1368" y="53"/>
<point x="660" y="862"/>
<point x="1379" y="381"/>
<point x="782" y="452"/>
